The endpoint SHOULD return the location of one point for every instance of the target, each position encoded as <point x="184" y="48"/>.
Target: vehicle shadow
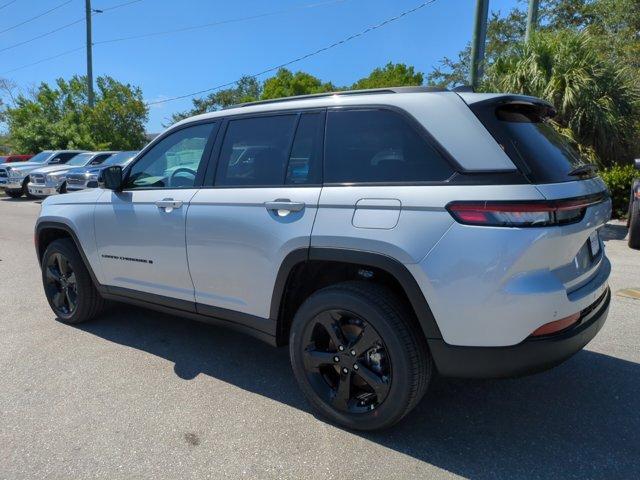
<point x="20" y="199"/>
<point x="613" y="231"/>
<point x="580" y="419"/>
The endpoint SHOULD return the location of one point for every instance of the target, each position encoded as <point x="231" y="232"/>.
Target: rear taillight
<point x="522" y="214"/>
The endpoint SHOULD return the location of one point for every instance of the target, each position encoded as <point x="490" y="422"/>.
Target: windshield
<point x="119" y="158"/>
<point x="80" y="160"/>
<point x="41" y="157"/>
<point x="526" y="134"/>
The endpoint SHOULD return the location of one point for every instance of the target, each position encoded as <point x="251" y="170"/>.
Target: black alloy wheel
<point x="61" y="285"/>
<point x="346" y="361"/>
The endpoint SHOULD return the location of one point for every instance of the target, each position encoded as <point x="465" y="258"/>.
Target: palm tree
<point x="597" y="101"/>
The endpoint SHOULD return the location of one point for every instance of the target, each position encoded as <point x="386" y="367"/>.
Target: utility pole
<point x="88" y="13"/>
<point x="532" y="18"/>
<point x="479" y="40"/>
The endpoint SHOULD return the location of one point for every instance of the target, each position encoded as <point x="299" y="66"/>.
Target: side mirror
<point x="55" y="161"/>
<point x="111" y="178"/>
<point x="637" y="162"/>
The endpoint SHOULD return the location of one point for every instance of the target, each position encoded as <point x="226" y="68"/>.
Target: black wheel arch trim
<point x="359" y="257"/>
<point x="51" y="225"/>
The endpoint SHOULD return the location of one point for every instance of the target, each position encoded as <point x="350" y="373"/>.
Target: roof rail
<point x="368" y="91"/>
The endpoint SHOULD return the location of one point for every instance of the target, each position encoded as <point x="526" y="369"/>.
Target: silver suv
<point x="383" y="235"/>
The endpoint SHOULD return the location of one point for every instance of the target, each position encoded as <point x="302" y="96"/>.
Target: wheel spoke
<point x="314" y="359"/>
<point x="380" y="386"/>
<point x="52" y="275"/>
<point x="367" y="339"/>
<point x="332" y="326"/>
<point x="71" y="280"/>
<point x="340" y="399"/>
<point x="71" y="299"/>
<point x="63" y="265"/>
<point x="58" y="299"/>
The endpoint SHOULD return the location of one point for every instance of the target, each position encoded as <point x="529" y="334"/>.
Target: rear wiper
<point x="583" y="170"/>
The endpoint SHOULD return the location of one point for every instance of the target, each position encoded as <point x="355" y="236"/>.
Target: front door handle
<point x="283" y="207"/>
<point x="169" y="204"/>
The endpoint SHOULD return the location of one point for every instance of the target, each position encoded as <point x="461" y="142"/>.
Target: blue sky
<point x="171" y="65"/>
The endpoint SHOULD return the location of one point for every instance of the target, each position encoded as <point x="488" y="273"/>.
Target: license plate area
<point x="594" y="244"/>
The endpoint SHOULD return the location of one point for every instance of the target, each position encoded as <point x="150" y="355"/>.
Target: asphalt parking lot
<point x="138" y="394"/>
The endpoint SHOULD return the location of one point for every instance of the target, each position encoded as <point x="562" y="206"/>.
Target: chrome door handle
<point x="284" y="205"/>
<point x="169" y="204"/>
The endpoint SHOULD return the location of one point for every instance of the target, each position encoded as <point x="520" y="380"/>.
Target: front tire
<point x="25" y="189"/>
<point x="359" y="356"/>
<point x="634" y="225"/>
<point x="67" y="284"/>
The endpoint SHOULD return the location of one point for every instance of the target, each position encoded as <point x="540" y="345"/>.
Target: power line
<point x="42" y="35"/>
<point x="125" y="4"/>
<point x="207" y="25"/>
<point x="7" y="4"/>
<point x="75" y="22"/>
<point x="37" y="16"/>
<point x="303" y="57"/>
<point x="215" y="24"/>
<point x="44" y="60"/>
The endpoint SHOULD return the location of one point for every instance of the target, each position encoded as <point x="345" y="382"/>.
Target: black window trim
<point x="417" y="127"/>
<point x="206" y="153"/>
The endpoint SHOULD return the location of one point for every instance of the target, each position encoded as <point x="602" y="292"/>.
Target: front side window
<point x="173" y="162"/>
<point x="378" y="146"/>
<point x="255" y="151"/>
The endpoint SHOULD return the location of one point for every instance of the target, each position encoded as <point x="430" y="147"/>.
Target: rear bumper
<point x="530" y="356"/>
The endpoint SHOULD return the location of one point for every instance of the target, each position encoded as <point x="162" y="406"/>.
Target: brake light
<point x="522" y="214"/>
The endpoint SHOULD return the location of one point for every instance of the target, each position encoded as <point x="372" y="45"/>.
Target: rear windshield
<point x="525" y="133"/>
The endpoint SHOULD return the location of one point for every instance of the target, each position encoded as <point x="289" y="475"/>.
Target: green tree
<point x="247" y="89"/>
<point x="391" y="75"/>
<point x="286" y="84"/>
<point x="59" y="117"/>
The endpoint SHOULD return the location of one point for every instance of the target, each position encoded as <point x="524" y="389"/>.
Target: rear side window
<point x="525" y="133"/>
<point x="255" y="151"/>
<point x="378" y="146"/>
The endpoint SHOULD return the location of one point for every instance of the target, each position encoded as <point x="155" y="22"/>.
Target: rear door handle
<point x="284" y="206"/>
<point x="169" y="204"/>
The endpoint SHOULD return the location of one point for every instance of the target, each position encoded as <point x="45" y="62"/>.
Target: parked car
<point x="87" y="177"/>
<point x="384" y="235"/>
<point x="14" y="158"/>
<point x="14" y="179"/>
<point x="633" y="218"/>
<point x="50" y="180"/>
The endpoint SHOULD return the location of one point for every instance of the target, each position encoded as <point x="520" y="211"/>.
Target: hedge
<point x="619" y="179"/>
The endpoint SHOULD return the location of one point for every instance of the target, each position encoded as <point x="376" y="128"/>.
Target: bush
<point x="619" y="179"/>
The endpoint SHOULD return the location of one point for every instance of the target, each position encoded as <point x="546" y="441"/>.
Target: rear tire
<point x="67" y="284"/>
<point x="13" y="193"/>
<point x="384" y="367"/>
<point x="634" y="225"/>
